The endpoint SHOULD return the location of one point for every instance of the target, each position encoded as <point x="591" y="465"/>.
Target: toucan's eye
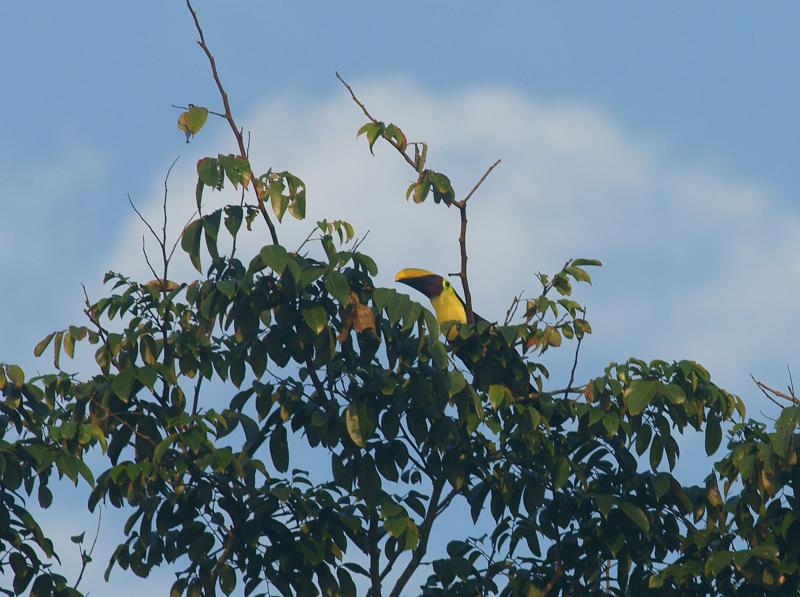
<point x="446" y="284"/>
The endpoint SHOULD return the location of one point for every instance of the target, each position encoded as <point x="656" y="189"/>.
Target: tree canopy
<point x="298" y="346"/>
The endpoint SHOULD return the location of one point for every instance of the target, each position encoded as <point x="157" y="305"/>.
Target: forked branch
<point x="460" y="204"/>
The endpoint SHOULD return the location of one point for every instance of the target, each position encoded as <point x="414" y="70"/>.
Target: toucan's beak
<point x="426" y="282"/>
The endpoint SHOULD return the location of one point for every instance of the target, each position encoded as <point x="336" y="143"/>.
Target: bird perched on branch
<point x="447" y="305"/>
<point x="490" y="359"/>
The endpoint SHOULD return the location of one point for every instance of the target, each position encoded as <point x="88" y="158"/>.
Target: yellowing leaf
<point x="163" y="285"/>
<point x="353" y="427"/>
<point x="191" y="121"/>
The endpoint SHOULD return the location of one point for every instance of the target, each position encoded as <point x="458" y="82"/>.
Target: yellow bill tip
<point x="410" y="273"/>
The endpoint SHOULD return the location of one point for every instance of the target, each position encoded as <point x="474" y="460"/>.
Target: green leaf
<point x="636" y="514"/>
<point x="442" y="188"/>
<point x="611" y="423"/>
<point x="163" y="446"/>
<point x="639" y="394"/>
<point x="316" y="318"/>
<point x="674" y="393"/>
<point x="190" y="242"/>
<point x="236" y="168"/>
<point x="713" y="435"/>
<point x="354" y="426"/>
<point x="275" y="257"/>
<point x="393" y="132"/>
<point x="57" y="349"/>
<point x="279" y="448"/>
<point x="336" y="283"/>
<point x="716" y="562"/>
<point x="123" y="383"/>
<point x="42" y="345"/>
<point x="227" y="579"/>
<point x="16" y="375"/>
<point x="580" y="275"/>
<point x="278" y="200"/>
<point x="661" y="484"/>
<point x="498" y="394"/>
<point x="211" y="230"/>
<point x="421" y="189"/>
<point x="561" y="474"/>
<point x="233" y="218"/>
<point x="457" y="383"/>
<point x="656" y="451"/>
<point x="766" y="552"/>
<point x="587" y="262"/>
<point x="209" y="172"/>
<point x="192" y="120"/>
<point x="373" y="130"/>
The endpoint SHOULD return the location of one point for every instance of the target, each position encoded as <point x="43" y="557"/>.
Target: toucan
<point x="505" y="366"/>
<point x="447" y="305"/>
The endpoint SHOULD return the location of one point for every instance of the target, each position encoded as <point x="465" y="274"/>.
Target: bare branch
<point x="462" y="242"/>
<point x="766" y="390"/>
<point x="372" y="118"/>
<point x="150" y="265"/>
<point x="88" y="311"/>
<point x="574" y="362"/>
<point x="86" y="556"/>
<point x="486" y="174"/>
<point x="209" y="111"/>
<point x="163" y="242"/>
<point x="512" y="309"/>
<point x="374" y="556"/>
<point x="422" y="546"/>
<point x="142" y="218"/>
<point x="312" y="373"/>
<point x="196" y="398"/>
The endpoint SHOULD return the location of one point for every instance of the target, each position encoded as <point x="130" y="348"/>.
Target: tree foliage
<point x="204" y="390"/>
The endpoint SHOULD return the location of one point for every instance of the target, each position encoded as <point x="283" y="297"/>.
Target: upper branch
<point x="462" y="242"/>
<point x="228" y="115"/>
<point x="422" y="547"/>
<point x="373" y="119"/>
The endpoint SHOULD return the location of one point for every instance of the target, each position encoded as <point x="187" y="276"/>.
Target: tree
<point x="307" y="349"/>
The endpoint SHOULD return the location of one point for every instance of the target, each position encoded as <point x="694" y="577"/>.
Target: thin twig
<point x="209" y="111"/>
<point x="463" y="202"/>
<point x="150" y="265"/>
<point x="86" y="556"/>
<point x="462" y="242"/>
<point x="142" y="218"/>
<point x="103" y="332"/>
<point x="163" y="242"/>
<point x="574" y="362"/>
<point x="512" y="309"/>
<point x="768" y="390"/>
<point x="312" y="373"/>
<point x="373" y="119"/>
<point x="237" y="132"/>
<point x="358" y="242"/>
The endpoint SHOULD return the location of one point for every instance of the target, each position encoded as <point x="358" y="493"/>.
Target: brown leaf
<point x="357" y="316"/>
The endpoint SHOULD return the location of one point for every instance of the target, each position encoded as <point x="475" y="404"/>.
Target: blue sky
<point x="661" y="139"/>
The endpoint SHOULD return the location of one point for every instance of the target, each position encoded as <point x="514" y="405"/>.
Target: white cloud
<point x="37" y="193"/>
